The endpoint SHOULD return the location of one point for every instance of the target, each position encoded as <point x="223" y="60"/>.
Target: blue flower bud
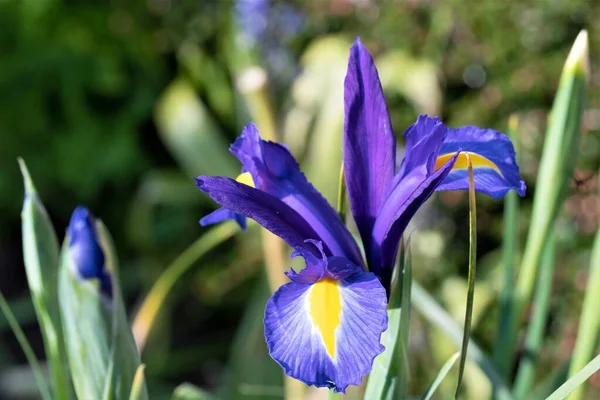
<point x="86" y="253"/>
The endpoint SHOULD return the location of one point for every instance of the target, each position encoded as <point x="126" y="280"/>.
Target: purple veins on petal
<point x="369" y="142"/>
<point x="327" y="333"/>
<point x="492" y="154"/>
<point x="223" y="214"/>
<point x="276" y="172"/>
<point x="267" y="210"/>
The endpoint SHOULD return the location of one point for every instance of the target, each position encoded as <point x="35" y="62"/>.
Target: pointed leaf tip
<point x="578" y="59"/>
<point x="27" y="181"/>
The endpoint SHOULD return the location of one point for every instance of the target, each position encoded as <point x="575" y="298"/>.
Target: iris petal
<point x="267" y="210"/>
<point x="410" y="188"/>
<point x="275" y="171"/>
<point x="495" y="169"/>
<point x="221" y="215"/>
<point x="328" y="333"/>
<point x="401" y="205"/>
<point x="85" y="250"/>
<point x="369" y="142"/>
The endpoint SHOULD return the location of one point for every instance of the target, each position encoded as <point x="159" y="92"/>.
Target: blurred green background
<point x="117" y="105"/>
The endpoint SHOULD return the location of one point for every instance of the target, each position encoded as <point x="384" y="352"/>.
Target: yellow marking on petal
<point x="462" y="163"/>
<point x="325" y="310"/>
<point x="246" y="179"/>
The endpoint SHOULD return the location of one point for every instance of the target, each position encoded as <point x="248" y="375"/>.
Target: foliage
<point x="117" y="105"/>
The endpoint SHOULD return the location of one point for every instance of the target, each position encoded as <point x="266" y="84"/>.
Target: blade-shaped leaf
<point x="561" y="148"/>
<point x="389" y="378"/>
<point x="440" y="376"/>
<point x="40" y="252"/>
<point x="588" y="334"/>
<point x="576" y="380"/>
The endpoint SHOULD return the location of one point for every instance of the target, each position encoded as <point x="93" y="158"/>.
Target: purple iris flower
<point x="324" y="327"/>
<point x="86" y="253"/>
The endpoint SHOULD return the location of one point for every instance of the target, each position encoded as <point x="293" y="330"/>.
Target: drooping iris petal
<point x="275" y="171"/>
<point x="223" y="214"/>
<point x="400" y="206"/>
<point x="85" y="250"/>
<point x="493" y="157"/>
<point x="327" y="333"/>
<point x="267" y="210"/>
<point x="369" y="142"/>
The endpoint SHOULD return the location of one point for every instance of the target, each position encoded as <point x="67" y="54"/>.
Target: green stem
<point x="535" y="332"/>
<point x="471" y="277"/>
<point x="36" y="368"/>
<point x="509" y="251"/>
<point x="589" y="324"/>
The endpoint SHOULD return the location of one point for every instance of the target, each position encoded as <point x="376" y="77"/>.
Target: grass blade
<point x="440" y="376"/>
<point x="535" y="332"/>
<point x="471" y="277"/>
<point x="589" y="324"/>
<point x="576" y="380"/>
<point x="510" y="241"/>
<point x="36" y="368"/>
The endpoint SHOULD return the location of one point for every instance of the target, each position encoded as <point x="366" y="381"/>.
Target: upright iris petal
<point x="369" y="142"/>
<point x="85" y="251"/>
<point x="411" y="187"/>
<point x="325" y="326"/>
<point x="495" y="169"/>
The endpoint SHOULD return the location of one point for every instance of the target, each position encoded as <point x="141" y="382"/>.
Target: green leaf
<point x="139" y="386"/>
<point x="539" y="321"/>
<point x="34" y="363"/>
<point x="389" y="378"/>
<point x="440" y="376"/>
<point x="588" y="333"/>
<point x="510" y="241"/>
<point x="561" y="147"/>
<point x="125" y="355"/>
<point x="40" y="252"/>
<point x="576" y="380"/>
<point x="187" y="391"/>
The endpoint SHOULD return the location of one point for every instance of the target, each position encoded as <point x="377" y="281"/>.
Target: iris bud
<point x="85" y="250"/>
